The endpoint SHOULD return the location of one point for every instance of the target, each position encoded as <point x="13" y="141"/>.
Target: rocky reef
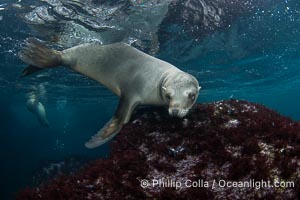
<point x="47" y="169"/>
<point x="203" y="17"/>
<point x="223" y="150"/>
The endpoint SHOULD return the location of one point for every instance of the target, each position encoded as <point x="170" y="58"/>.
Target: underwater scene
<point x="149" y="99"/>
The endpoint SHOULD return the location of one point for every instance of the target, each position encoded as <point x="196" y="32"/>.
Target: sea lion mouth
<point x="175" y="112"/>
<point x="183" y="113"/>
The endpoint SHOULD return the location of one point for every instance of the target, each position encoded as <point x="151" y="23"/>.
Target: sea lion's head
<point x="180" y="92"/>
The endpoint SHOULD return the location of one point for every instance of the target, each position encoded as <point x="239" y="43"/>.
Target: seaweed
<point x="227" y="140"/>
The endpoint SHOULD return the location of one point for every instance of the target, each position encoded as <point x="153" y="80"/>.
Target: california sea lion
<point x="38" y="109"/>
<point x="137" y="78"/>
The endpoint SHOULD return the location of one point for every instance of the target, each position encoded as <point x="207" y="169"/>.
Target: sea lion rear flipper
<point x="30" y="69"/>
<point x="110" y="129"/>
<point x="37" y="55"/>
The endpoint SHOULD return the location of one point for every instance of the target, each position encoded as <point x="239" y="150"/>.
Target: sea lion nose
<point x="175" y="112"/>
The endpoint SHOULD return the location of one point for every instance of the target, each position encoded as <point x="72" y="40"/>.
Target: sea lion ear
<point x="164" y="88"/>
<point x="199" y="88"/>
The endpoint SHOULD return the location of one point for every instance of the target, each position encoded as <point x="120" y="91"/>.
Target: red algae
<point x="198" y="157"/>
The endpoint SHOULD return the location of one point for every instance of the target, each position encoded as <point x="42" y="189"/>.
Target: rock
<point x="192" y="28"/>
<point x="227" y="150"/>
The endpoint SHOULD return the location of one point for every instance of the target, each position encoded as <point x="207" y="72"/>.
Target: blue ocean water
<point x="256" y="58"/>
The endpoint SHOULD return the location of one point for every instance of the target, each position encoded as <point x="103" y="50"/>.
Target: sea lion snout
<point x="176" y="112"/>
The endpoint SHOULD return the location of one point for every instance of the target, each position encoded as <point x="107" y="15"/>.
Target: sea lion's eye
<point x="192" y="96"/>
<point x="168" y="96"/>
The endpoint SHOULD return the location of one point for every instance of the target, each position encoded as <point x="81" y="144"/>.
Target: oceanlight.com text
<point x="165" y="182"/>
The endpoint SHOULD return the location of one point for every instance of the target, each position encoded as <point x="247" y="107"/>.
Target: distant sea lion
<point x="38" y="109"/>
<point x="137" y="78"/>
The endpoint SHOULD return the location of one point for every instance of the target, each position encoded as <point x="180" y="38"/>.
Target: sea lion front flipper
<point x="114" y="125"/>
<point x="110" y="129"/>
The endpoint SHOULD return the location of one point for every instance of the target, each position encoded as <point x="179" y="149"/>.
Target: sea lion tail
<point x="38" y="56"/>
